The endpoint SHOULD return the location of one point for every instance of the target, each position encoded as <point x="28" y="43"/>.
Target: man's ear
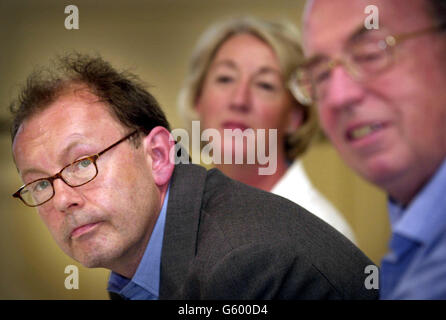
<point x="157" y="145"/>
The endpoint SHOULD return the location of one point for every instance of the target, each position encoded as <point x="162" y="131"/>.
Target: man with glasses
<point x="381" y="99"/>
<point x="94" y="151"/>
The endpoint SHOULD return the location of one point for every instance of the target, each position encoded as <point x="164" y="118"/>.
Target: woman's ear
<point x="157" y="146"/>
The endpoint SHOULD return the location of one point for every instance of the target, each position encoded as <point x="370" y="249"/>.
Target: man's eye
<point x="322" y="76"/>
<point x="319" y="71"/>
<point x="41" y="185"/>
<point x="369" y="51"/>
<point x="84" y="164"/>
<point x="368" y="57"/>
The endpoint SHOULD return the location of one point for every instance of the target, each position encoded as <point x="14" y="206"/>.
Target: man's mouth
<point x="84" y="229"/>
<point x="362" y="131"/>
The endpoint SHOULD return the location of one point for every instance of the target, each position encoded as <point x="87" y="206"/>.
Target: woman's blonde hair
<point x="283" y="37"/>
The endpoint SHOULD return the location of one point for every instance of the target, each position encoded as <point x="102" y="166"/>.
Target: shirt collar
<point x="425" y="217"/>
<point x="145" y="283"/>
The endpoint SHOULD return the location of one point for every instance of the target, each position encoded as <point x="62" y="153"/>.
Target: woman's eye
<point x="266" y="86"/>
<point x="224" y="79"/>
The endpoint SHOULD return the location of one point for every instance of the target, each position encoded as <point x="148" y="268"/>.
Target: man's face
<point x="391" y="128"/>
<point x="108" y="220"/>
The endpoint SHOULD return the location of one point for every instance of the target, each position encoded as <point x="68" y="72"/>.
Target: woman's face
<point x="244" y="88"/>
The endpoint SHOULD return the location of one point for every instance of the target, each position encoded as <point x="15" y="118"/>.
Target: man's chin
<point x="94" y="257"/>
<point x="93" y="261"/>
<point x="380" y="172"/>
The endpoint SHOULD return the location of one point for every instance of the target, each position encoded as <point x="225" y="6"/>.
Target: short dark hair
<point x="123" y="92"/>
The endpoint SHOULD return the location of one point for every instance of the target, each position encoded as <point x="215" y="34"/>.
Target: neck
<point x="405" y="188"/>
<point x="249" y="174"/>
<point x="128" y="263"/>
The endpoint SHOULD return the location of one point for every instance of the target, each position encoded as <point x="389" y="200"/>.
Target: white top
<point x="297" y="187"/>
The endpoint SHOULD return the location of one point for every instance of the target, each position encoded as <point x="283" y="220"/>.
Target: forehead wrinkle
<point x="263" y="69"/>
<point x="224" y="63"/>
<point x="31" y="135"/>
<point x="60" y="158"/>
<point x="327" y="18"/>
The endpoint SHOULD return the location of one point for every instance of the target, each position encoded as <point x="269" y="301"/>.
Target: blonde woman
<point x="236" y="80"/>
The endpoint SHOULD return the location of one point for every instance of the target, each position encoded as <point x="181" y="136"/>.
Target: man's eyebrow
<point x="63" y="154"/>
<point x="84" y="145"/>
<point x="359" y="32"/>
<point x="35" y="171"/>
<point x="313" y="59"/>
<point x="66" y="150"/>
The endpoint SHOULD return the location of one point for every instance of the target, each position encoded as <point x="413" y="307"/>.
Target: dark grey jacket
<point x="226" y="240"/>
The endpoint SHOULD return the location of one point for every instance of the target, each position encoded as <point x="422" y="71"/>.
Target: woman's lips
<point x="79" y="231"/>
<point x="234" y="125"/>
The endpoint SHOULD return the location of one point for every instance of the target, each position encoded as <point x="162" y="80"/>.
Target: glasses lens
<point x="79" y="172"/>
<point x="37" y="192"/>
<point x="369" y="58"/>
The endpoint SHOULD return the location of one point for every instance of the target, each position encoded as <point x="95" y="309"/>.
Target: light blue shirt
<point x="415" y="267"/>
<point x="145" y="283"/>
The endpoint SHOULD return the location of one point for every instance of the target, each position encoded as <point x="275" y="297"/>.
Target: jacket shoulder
<point x="246" y="228"/>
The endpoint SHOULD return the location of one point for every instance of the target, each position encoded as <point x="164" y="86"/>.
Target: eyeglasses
<point x="76" y="174"/>
<point x="363" y="60"/>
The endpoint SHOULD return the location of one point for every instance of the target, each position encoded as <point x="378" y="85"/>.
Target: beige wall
<point x="154" y="38"/>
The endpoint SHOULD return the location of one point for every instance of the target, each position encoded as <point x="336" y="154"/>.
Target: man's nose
<point x="66" y="198"/>
<point x="342" y="91"/>
<point x="241" y="96"/>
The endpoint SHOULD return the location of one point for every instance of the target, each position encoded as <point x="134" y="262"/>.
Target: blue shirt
<point x="415" y="267"/>
<point x="145" y="283"/>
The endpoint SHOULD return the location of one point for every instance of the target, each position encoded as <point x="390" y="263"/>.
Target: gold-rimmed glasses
<point x="362" y="59"/>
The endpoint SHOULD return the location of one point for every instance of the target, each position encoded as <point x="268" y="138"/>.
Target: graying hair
<point x="283" y="37"/>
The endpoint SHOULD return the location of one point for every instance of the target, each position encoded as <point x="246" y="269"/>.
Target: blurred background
<point x="154" y="39"/>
